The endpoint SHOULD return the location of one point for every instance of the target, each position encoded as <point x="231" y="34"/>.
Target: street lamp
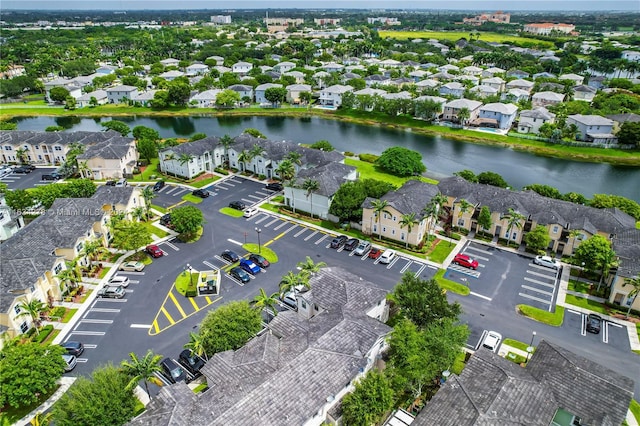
<point x="580" y="274"/>
<point x="190" y="268"/>
<point x="445" y="376"/>
<point x="258" y="230"/>
<point x="530" y="348"/>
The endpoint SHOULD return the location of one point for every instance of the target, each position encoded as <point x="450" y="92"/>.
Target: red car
<point x="375" y="253"/>
<point x="466" y="261"/>
<point x="154" y="251"/>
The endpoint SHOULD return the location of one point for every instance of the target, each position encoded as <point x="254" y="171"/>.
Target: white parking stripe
<point x="294" y="226"/>
<point x="273" y="221"/>
<point x="321" y="239"/>
<point x="539" y="274"/>
<point x="310" y="236"/>
<point x="479" y="250"/>
<point x="297" y="234"/>
<point x="89" y="346"/>
<point x="88" y="333"/>
<point x="280" y="226"/>
<point x="393" y="262"/>
<point x="219" y="186"/>
<point x="480" y="296"/>
<point x="109" y="310"/>
<point x="531" y="280"/>
<point x="473" y="256"/>
<point x="173" y="188"/>
<point x="81" y="360"/>
<point x="140" y="326"/>
<point x="546" y="302"/>
<point x="417" y="274"/>
<point x="548" y="293"/>
<point x="210" y="265"/>
<point x="404" y="268"/>
<point x="263" y="219"/>
<point x="255" y="196"/>
<point x="104" y="299"/>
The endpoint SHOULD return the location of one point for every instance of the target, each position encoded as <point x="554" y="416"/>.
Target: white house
<point x="171" y="75"/>
<point x="502" y="114"/>
<point x="531" y="120"/>
<point x="495" y="82"/>
<point x="593" y="128"/>
<point x="206" y="99"/>
<point x="584" y="93"/>
<point x="85" y="100"/>
<point x="197" y="69"/>
<point x="294" y="91"/>
<point x="520" y="84"/>
<point x="170" y="62"/>
<point x="332" y="96"/>
<point x="192" y="158"/>
<point x="544" y="99"/>
<point x="121" y="93"/>
<point x="453" y="88"/>
<point x="284" y="67"/>
<point x="241" y="68"/>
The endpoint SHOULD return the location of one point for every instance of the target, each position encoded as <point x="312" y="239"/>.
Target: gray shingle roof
<point x="412" y="197"/>
<point x="111" y="149"/>
<point x="20" y="137"/>
<point x="195" y="148"/>
<point x="494" y="391"/>
<point x="329" y="176"/>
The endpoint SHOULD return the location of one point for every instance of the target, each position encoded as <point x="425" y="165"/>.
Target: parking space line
<point x="193" y="302"/>
<point x="166" y="314"/>
<point x="210" y="265"/>
<point x="486" y="259"/>
<point x="96" y="321"/>
<point x="420" y="270"/>
<point x="473" y="293"/>
<point x="263" y="219"/>
<point x="115" y="311"/>
<point x="272" y="222"/>
<point x="307" y="238"/>
<point x="249" y="202"/>
<point x="470" y="247"/>
<point x="167" y="243"/>
<point x="321" y="239"/>
<point x="393" y="262"/>
<point x="537" y="290"/>
<point x="208" y="300"/>
<point x="254" y="196"/>
<point x="291" y="228"/>
<point x="531" y="280"/>
<point x="404" y="268"/>
<point x="88" y="333"/>
<point x="169" y="191"/>
<point x="537" y="299"/>
<point x="583" y="330"/>
<point x="539" y="274"/>
<point x="297" y="234"/>
<point x="147" y="326"/>
<point x="175" y="301"/>
<point x="279" y="226"/>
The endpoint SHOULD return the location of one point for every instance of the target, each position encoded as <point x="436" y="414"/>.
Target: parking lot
<point x="28" y="180"/>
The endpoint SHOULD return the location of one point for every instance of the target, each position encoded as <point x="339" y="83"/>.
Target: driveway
<point x="28" y="180"/>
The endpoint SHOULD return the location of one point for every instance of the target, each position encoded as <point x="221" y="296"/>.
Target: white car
<point x="250" y="211"/>
<point x="547" y="262"/>
<point x="119" y="280"/>
<point x="132" y="266"/>
<point x="387" y="256"/>
<point x="70" y="361"/>
<point x="492" y="341"/>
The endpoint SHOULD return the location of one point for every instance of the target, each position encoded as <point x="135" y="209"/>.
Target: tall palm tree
<point x="148" y="194"/>
<point x="407" y="221"/>
<point x="139" y="213"/>
<point x="379" y="207"/>
<point x="21" y="155"/>
<point x="309" y="266"/>
<point x="70" y="274"/>
<point x="290" y="281"/>
<point x="286" y="170"/>
<point x="310" y="186"/>
<point x="244" y="158"/>
<point x="170" y="157"/>
<point x="608" y="260"/>
<point x="185" y="159"/>
<point x="463" y="115"/>
<point x="514" y="219"/>
<point x="264" y="301"/>
<point x="226" y="141"/>
<point x="439" y="200"/>
<point x="463" y="207"/>
<point x="574" y="234"/>
<point x="142" y="369"/>
<point x="32" y="309"/>
<point x="431" y="213"/>
<point x="196" y="345"/>
<point x="635" y="283"/>
<point x="295" y="157"/>
<point x="92" y="249"/>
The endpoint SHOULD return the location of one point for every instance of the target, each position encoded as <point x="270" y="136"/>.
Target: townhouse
<point x="332" y="96"/>
<point x="452" y="109"/>
<point x="32" y="258"/>
<point x="499" y="115"/>
<point x="593" y="128"/>
<point x="113" y="158"/>
<point x="531" y="120"/>
<point x="190" y="159"/>
<point x="121" y="94"/>
<point x="241" y="68"/>
<point x="313" y="356"/>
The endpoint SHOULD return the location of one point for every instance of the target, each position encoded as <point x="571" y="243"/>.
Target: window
<point x="460" y="222"/>
<point x="58" y="268"/>
<point x="24" y="327"/>
<point x="79" y="247"/>
<point x="303" y="303"/>
<point x="402" y="236"/>
<point x="40" y="157"/>
<point x="375" y="228"/>
<point x="384" y="229"/>
<point x="36" y="147"/>
<point x="393" y="232"/>
<point x="17" y="309"/>
<point x="514" y="236"/>
<point x="8" y="148"/>
<point x="57" y="148"/>
<point x="555" y="229"/>
<point x="395" y="218"/>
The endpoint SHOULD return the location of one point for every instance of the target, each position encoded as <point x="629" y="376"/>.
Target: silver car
<point x="119" y="280"/>
<point x="363" y="248"/>
<point x="547" y="262"/>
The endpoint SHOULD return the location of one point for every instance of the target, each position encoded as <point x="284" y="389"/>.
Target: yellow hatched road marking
<point x="155" y="326"/>
<point x="195" y="305"/>
<point x="175" y="301"/>
<point x="208" y="300"/>
<point x="164" y="311"/>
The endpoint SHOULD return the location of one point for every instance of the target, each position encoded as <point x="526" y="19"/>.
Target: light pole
<point x="530" y="347"/>
<point x="190" y="274"/>
<point x="580" y="274"/>
<point x="258" y="230"/>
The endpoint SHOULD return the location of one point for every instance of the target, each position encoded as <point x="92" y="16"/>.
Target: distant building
<point x="498" y="17"/>
<point x="383" y="20"/>
<point x="221" y="19"/>
<point x="327" y="21"/>
<point x="546" y="28"/>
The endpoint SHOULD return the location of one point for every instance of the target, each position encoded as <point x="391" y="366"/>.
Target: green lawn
<point x="69" y="314"/>
<point x="192" y="198"/>
<point x="265" y="252"/>
<point x="151" y="169"/>
<point x="371" y="171"/>
<point x="204" y="182"/>
<point x="585" y="303"/>
<point x="457" y="35"/>
<point x="104" y="271"/>
<point x="233" y="212"/>
<point x="159" y="208"/>
<point x="184" y="280"/>
<point x="516" y="344"/>
<point x="450" y="285"/>
<point x="578" y="286"/>
<point x="550" y="318"/>
<point x="441" y="251"/>
<point x="635" y="409"/>
<point x="155" y="230"/>
<point x="11" y="415"/>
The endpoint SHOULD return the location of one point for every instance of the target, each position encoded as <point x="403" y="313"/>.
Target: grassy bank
<point x="587" y="154"/>
<point x="457" y="35"/>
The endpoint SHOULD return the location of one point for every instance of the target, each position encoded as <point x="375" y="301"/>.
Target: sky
<point x="484" y="5"/>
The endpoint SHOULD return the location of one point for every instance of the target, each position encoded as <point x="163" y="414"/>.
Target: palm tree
<point x="21" y="155"/>
<point x="439" y="200"/>
<point x="148" y="195"/>
<point x="170" y="157"/>
<point x="310" y="267"/>
<point x="574" y="234"/>
<point x="408" y="220"/>
<point x="290" y="281"/>
<point x="514" y="219"/>
<point x="185" y="159"/>
<point x="41" y="419"/>
<point x="286" y="170"/>
<point x="379" y="207"/>
<point x="92" y="249"/>
<point x="463" y="207"/>
<point x="264" y="301"/>
<point x="70" y="274"/>
<point x="244" y="158"/>
<point x="32" y="308"/>
<point x="310" y="186"/>
<point x="430" y="212"/>
<point x="226" y="141"/>
<point x="196" y="345"/>
<point x="139" y="213"/>
<point x="142" y="369"/>
<point x="84" y="167"/>
<point x="635" y="283"/>
<point x="608" y="260"/>
<point x="295" y="157"/>
<point x="463" y="115"/>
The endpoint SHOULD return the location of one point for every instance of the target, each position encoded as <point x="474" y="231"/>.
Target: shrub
<point x="349" y="154"/>
<point x="44" y="333"/>
<point x="221" y="171"/>
<point x="262" y="177"/>
<point x="143" y="162"/>
<point x="58" y="312"/>
<point x="369" y="158"/>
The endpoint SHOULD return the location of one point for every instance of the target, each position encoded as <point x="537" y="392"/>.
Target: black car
<point x="259" y="260"/>
<point x="165" y="220"/>
<point x="202" y="193"/>
<point x="73" y="348"/>
<point x="351" y="244"/>
<point x="110" y="183"/>
<point x="338" y="241"/>
<point x="172" y="371"/>
<point x="240" y="274"/>
<point x="51" y="176"/>
<point x="22" y="169"/>
<point x="594" y="323"/>
<point x="230" y="256"/>
<point x="191" y="362"/>
<point x="274" y="186"/>
<point x="158" y="185"/>
<point x="238" y="205"/>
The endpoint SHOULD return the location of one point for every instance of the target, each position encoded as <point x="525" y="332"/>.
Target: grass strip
<point x="450" y="285"/>
<point x="516" y="344"/>
<point x="550" y="318"/>
<point x="585" y="303"/>
<point x="233" y="212"/>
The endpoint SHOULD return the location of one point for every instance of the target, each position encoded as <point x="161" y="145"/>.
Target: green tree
<point x="594" y="252"/>
<point x="254" y="132"/>
<point x="160" y="99"/>
<point x="70" y="103"/>
<point x="148" y="149"/>
<point x="493" y="179"/>
<point x="102" y="399"/>
<point x="293" y="282"/>
<point x="128" y="235"/>
<point x="463" y="115"/>
<point x="79" y="188"/>
<point x="229" y="327"/>
<point x="58" y="94"/>
<point x="275" y="95"/>
<point x="401" y="161"/>
<point x="264" y="301"/>
<point x="309" y="266"/>
<point x="196" y="345"/>
<point x="423" y="301"/>
<point x="178" y="93"/>
<point x="310" y="186"/>
<point x="187" y="219"/>
<point x="144" y="369"/>
<point x="514" y="220"/>
<point x="197" y="137"/>
<point x="226" y="141"/>
<point x="545" y="191"/>
<point x="228" y="98"/>
<point x="407" y="221"/>
<point x="484" y="218"/>
<point x="92" y="249"/>
<point x="7" y="125"/>
<point x="635" y="283"/>
<point x="148" y="194"/>
<point x="538" y="239"/>
<point x="373" y="396"/>
<point x="32" y="309"/>
<point x="28" y="370"/>
<point x="629" y="133"/>
<point x="603" y="201"/>
<point x="142" y="132"/>
<point x="467" y="175"/>
<point x="286" y="170"/>
<point x="322" y="145"/>
<point x="379" y="207"/>
<point x="118" y="126"/>
<point x="19" y="199"/>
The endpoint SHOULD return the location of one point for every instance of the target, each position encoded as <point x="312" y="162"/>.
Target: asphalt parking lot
<point x="28" y="180"/>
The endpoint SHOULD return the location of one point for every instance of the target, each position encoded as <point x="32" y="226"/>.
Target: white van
<point x="122" y="182"/>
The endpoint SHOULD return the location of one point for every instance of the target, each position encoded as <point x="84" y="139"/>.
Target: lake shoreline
<point x="586" y="154"/>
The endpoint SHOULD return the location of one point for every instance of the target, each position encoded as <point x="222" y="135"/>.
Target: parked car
<point x="172" y="370"/>
<point x="117" y="280"/>
<point x="259" y="260"/>
<point x="202" y="193"/>
<point x="122" y="182"/>
<point x="71" y="362"/>
<point x="240" y="274"/>
<point x="111" y="292"/>
<point x="594" y="323"/>
<point x="230" y="256"/>
<point x="110" y="183"/>
<point x="165" y="220"/>
<point x="547" y="262"/>
<point x="250" y="211"/>
<point x="73" y="348"/>
<point x="375" y="253"/>
<point x="492" y="341"/>
<point x="351" y="244"/>
<point x="338" y="241"/>
<point x="22" y="170"/>
<point x="362" y="248"/>
<point x="191" y="362"/>
<point x="51" y="176"/>
<point x="289" y="298"/>
<point x="154" y="251"/>
<point x="466" y="261"/>
<point x="238" y="205"/>
<point x="249" y="266"/>
<point x="159" y="185"/>
<point x="387" y="256"/>
<point x="274" y="186"/>
<point x="132" y="266"/>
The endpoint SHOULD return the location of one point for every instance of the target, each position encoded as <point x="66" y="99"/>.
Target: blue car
<point x="239" y="274"/>
<point x="249" y="266"/>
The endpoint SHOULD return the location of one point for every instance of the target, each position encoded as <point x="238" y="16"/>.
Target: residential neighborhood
<point x="172" y="255"/>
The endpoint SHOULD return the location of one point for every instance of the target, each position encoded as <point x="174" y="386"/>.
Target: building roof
<point x="122" y="88"/>
<point x="21" y="137"/>
<point x="412" y="197"/>
<point x="195" y="148"/>
<point x="114" y="148"/>
<point x="494" y="391"/>
<point x="552" y="96"/>
<point x="623" y="118"/>
<point x="591" y="120"/>
<point x="463" y="103"/>
<point x="330" y="177"/>
<point x="541" y="113"/>
<point x="504" y="109"/>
